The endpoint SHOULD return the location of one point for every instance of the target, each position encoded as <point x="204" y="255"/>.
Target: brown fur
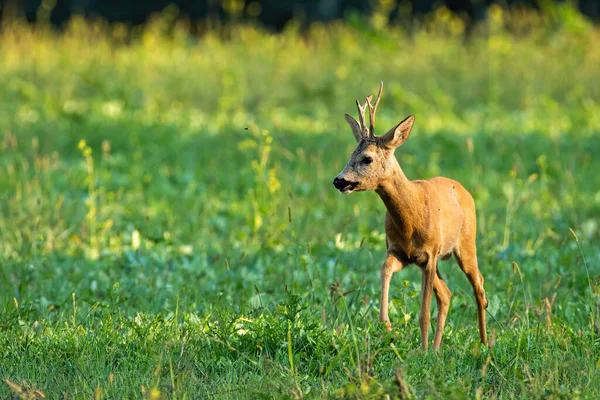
<point x="426" y="220"/>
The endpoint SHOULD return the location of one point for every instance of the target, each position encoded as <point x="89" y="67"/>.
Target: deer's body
<point x="426" y="220"/>
<point x="417" y="233"/>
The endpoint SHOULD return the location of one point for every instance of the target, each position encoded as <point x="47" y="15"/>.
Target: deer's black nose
<point x="339" y="183"/>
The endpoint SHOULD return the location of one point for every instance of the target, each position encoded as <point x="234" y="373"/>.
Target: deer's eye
<point x="367" y="160"/>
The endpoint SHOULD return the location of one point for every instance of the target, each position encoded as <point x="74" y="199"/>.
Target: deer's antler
<point x="370" y="132"/>
<point x="373" y="110"/>
<point x="361" y="117"/>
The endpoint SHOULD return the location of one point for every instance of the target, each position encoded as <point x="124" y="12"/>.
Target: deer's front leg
<point x="392" y="264"/>
<point x="428" y="278"/>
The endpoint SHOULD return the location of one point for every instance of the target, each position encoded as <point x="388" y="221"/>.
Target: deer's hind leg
<point x="466" y="255"/>
<point x="429" y="278"/>
<point x="442" y="297"/>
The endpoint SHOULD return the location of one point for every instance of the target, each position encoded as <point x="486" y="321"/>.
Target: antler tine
<point x="361" y="117"/>
<point x="373" y="110"/>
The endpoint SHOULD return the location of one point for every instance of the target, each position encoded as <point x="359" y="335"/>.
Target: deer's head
<point x="373" y="159"/>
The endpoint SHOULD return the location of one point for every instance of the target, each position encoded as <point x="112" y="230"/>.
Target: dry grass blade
<point x="403" y="390"/>
<point x="24" y="393"/>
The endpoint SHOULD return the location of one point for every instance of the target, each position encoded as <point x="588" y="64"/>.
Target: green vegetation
<point x="153" y="247"/>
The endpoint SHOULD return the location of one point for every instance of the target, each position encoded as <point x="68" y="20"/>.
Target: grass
<point x="153" y="247"/>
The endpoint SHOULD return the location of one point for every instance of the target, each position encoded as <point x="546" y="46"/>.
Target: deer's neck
<point x="403" y="200"/>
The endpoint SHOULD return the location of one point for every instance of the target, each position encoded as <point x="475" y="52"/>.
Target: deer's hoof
<point x="388" y="326"/>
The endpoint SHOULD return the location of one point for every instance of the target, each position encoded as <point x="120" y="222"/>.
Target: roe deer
<point x="426" y="219"/>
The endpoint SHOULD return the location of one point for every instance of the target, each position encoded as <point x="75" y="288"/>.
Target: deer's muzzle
<point x="343" y="185"/>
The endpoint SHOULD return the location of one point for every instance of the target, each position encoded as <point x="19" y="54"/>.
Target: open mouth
<point x="349" y="187"/>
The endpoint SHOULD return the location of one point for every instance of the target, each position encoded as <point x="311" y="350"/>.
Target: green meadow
<point x="169" y="228"/>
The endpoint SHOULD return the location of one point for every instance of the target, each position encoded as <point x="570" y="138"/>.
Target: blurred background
<point x="272" y="13"/>
<point x="168" y="219"/>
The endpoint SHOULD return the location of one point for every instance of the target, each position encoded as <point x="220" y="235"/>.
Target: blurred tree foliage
<point x="271" y="13"/>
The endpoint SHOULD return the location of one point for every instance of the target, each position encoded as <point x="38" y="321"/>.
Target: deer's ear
<point x="355" y="127"/>
<point x="398" y="135"/>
